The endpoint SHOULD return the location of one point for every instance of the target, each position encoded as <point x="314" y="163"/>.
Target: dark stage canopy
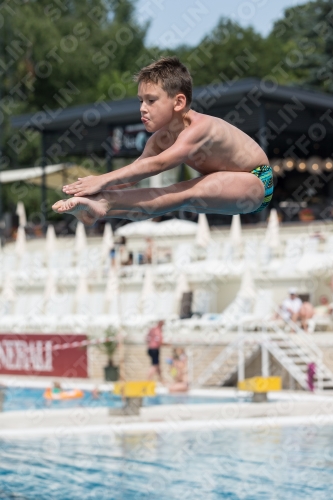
<point x="276" y="116"/>
<point x="292" y="124"/>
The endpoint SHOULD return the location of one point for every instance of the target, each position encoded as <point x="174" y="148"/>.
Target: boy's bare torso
<point x="210" y="145"/>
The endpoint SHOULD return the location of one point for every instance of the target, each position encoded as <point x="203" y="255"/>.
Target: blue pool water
<point x="27" y="399"/>
<point x="284" y="463"/>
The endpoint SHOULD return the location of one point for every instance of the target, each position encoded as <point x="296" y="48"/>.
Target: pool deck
<point x="283" y="408"/>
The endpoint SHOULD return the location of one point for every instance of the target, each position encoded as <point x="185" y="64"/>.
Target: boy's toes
<point x="60" y="205"/>
<point x="57" y="205"/>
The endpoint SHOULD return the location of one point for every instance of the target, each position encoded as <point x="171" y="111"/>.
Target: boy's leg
<point x="221" y="192"/>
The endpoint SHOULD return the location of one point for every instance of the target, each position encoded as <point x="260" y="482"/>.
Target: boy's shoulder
<point x="198" y="128"/>
<point x="194" y="123"/>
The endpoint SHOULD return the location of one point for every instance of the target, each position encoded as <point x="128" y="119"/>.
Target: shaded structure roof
<point x="274" y="115"/>
<point x="207" y="98"/>
<point x="290" y="123"/>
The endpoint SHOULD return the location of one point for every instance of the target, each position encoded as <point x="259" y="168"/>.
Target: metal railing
<point x="303" y="350"/>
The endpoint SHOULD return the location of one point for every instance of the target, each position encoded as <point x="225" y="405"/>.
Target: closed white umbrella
<point x="236" y="231"/>
<point x="247" y="288"/>
<point x="80" y="238"/>
<point x="8" y="291"/>
<point x="107" y="242"/>
<point x="21" y="242"/>
<point x="50" y="240"/>
<point x="50" y="289"/>
<point x="82" y="287"/>
<point x="112" y="286"/>
<point x="20" y="211"/>
<point x="272" y="236"/>
<point x="203" y="237"/>
<point x="112" y="292"/>
<point x="148" y="293"/>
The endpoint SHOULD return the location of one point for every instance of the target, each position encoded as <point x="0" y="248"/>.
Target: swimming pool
<point x="23" y="398"/>
<point x="284" y="463"/>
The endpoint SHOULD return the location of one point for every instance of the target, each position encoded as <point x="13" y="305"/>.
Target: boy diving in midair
<point x="235" y="177"/>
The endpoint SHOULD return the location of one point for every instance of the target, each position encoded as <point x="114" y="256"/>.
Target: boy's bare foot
<point x="86" y="210"/>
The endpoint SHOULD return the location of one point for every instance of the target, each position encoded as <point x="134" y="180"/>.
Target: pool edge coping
<point x="189" y="425"/>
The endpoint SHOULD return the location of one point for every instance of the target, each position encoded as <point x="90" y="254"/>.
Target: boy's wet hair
<point x="171" y="74"/>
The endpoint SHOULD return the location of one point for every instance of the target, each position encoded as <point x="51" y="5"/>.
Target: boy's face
<point x="156" y="108"/>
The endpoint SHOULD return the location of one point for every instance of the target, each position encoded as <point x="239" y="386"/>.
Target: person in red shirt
<point x="154" y="341"/>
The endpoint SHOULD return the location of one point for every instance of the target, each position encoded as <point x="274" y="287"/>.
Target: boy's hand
<point x="92" y="184"/>
<point x="86" y="185"/>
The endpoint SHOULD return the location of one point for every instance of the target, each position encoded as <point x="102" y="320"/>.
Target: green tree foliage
<point x="306" y="36"/>
<point x="59" y="54"/>
<point x="70" y="48"/>
<point x="56" y="54"/>
<point x="230" y="52"/>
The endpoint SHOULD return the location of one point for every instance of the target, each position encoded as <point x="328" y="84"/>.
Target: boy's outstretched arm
<point x="95" y="183"/>
<point x="147" y="165"/>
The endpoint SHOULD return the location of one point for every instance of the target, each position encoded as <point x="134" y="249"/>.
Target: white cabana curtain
<point x="236" y="231"/>
<point x="107" y="241"/>
<point x="50" y="240"/>
<point x="112" y="292"/>
<point x="8" y="291"/>
<point x="50" y="289"/>
<point x="148" y="294"/>
<point x="21" y="242"/>
<point x="20" y="212"/>
<point x="272" y="236"/>
<point x="112" y="286"/>
<point x="203" y="237"/>
<point x="82" y="288"/>
<point x="247" y="288"/>
<point x="80" y="238"/>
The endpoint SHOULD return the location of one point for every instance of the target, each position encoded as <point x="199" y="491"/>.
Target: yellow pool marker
<point x="135" y="388"/>
<point x="260" y="384"/>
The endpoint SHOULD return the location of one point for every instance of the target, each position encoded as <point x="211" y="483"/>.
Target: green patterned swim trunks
<point x="265" y="174"/>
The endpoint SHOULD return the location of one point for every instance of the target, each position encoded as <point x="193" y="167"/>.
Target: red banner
<point x="33" y="354"/>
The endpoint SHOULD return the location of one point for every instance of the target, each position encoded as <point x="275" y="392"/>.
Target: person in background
<point x="324" y="308"/>
<point x="95" y="392"/>
<point x="311" y="372"/>
<point x="306" y="312"/>
<point x="118" y="253"/>
<point x="291" y="306"/>
<point x="148" y="258"/>
<point x="154" y="341"/>
<point x="112" y="254"/>
<point x="122" y="250"/>
<point x="129" y="261"/>
<point x="293" y="309"/>
<point x="178" y="371"/>
<point x="56" y="388"/>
